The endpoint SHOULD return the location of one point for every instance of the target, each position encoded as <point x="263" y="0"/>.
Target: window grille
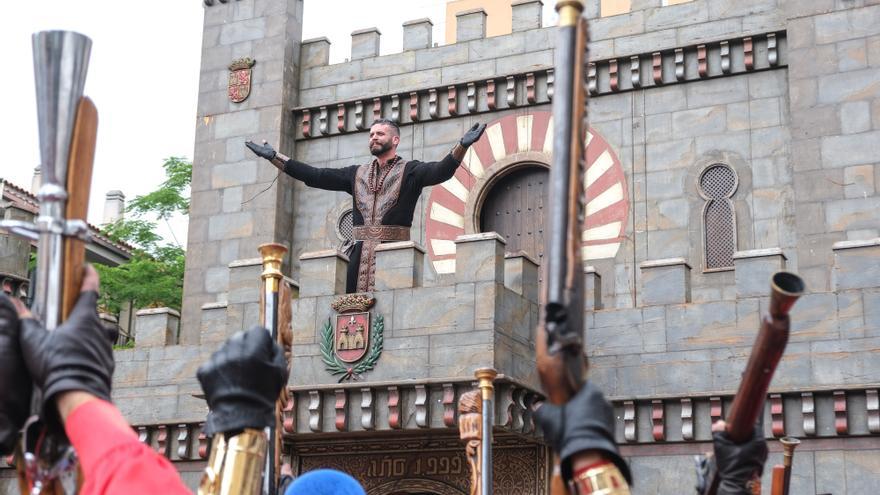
<point x="344" y="228"/>
<point x="717" y="185"/>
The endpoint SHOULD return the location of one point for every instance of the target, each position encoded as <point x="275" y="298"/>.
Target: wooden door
<point x="514" y="207"/>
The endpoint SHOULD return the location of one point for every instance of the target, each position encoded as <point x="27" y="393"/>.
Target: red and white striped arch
<point x="605" y="183"/>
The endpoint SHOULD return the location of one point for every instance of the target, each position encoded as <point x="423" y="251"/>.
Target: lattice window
<point x="344" y="230"/>
<point x="717" y="185"/>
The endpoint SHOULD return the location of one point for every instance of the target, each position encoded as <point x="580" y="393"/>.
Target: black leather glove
<point x="586" y="422"/>
<point x="14" y="380"/>
<point x="78" y="355"/>
<point x="264" y="150"/>
<point x="242" y="381"/>
<point x="739" y="464"/>
<point x="472" y="135"/>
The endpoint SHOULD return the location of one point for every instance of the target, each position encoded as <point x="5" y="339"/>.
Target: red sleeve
<point x="112" y="458"/>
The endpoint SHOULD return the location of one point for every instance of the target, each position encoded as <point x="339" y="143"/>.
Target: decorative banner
<point x="353" y="347"/>
<point x="240" y="79"/>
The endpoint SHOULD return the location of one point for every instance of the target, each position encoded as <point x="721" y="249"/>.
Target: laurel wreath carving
<point x="351" y="372"/>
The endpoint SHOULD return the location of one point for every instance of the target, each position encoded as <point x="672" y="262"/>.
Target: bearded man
<point x="384" y="192"/>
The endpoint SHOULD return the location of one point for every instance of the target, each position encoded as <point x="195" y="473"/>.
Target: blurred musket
<point x="781" y="478"/>
<point x="249" y="463"/>
<point x="785" y="289"/>
<point x="561" y="361"/>
<point x="68" y="130"/>
<point x="273" y="295"/>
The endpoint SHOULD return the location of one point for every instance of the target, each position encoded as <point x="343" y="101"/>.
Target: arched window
<point x="717" y="184"/>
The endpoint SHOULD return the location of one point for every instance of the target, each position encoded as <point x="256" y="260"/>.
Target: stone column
<point x="156" y="327"/>
<point x="470" y="25"/>
<point x="417" y="34"/>
<point x="229" y="215"/>
<point x="666" y="281"/>
<point x="754" y="269"/>
<point x="114" y="206"/>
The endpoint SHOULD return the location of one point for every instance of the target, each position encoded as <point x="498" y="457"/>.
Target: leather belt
<point x="380" y="233"/>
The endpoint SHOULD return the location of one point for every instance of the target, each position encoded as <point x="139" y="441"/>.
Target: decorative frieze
<point x="629" y="421"/>
<point x="368" y="421"/>
<point x="421" y="403"/>
<point x="777" y="416"/>
<point x="609" y="76"/>
<point x="808" y="410"/>
<point x="657" y="428"/>
<point x="341" y="408"/>
<point x="841" y="425"/>
<point x="687" y="419"/>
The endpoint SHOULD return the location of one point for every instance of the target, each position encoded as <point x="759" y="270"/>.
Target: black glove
<point x="242" y="381"/>
<point x="78" y="355"/>
<point x="586" y="422"/>
<point x="738" y="464"/>
<point x="14" y="380"/>
<point x="264" y="150"/>
<point x="472" y="135"/>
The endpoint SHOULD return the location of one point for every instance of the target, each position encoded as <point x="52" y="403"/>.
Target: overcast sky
<point x="143" y="76"/>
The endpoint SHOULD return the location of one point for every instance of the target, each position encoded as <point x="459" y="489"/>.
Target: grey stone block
<point x="442" y="56"/>
<point x="399" y="265"/>
<point x="709" y="31"/>
<point x="666" y="281"/>
<point x="322" y="273"/>
<point x="855" y="117"/>
<point x="245" y="30"/>
<point x="212" y="328"/>
<point x="489" y="48"/>
<point x="470" y="25"/>
<point x="526" y="14"/>
<point x="521" y="275"/>
<point x="244" y="280"/>
<point x="365" y="43"/>
<point x="754" y="268"/>
<point x="592" y="289"/>
<point x="524" y="62"/>
<point x="398" y="63"/>
<point x="852" y="214"/>
<point x="859" y="181"/>
<point x="699" y="121"/>
<point x="417" y="34"/>
<point x="849" y="86"/>
<point x="314" y="52"/>
<point x="156" y="327"/>
<point x="856" y="264"/>
<point x="703" y="326"/>
<point x="618" y="25"/>
<point x="241" y="123"/>
<point x="676" y="15"/>
<point x="479" y="258"/>
<point x="847" y="24"/>
<point x="229" y="226"/>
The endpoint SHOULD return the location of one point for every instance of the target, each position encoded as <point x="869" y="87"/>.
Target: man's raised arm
<point x="433" y="173"/>
<point x="331" y="179"/>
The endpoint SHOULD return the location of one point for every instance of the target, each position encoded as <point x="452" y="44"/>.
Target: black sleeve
<point x="331" y="179"/>
<point x="433" y="173"/>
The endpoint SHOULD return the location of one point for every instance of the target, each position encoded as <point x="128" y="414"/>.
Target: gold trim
<point x="604" y="479"/>
<point x="569" y="11"/>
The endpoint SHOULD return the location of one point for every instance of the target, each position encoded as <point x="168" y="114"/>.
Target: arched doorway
<point x="514" y="207"/>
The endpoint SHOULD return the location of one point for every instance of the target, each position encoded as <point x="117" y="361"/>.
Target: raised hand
<point x="738" y="465"/>
<point x="472" y="135"/>
<point x="585" y="423"/>
<point x="265" y="150"/>
<point x="242" y="381"/>
<point x="78" y="355"/>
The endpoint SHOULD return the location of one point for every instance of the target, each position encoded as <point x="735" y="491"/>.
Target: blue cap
<point x="325" y="482"/>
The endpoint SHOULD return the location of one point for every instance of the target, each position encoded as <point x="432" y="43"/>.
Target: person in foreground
<point x="73" y="368"/>
<point x="581" y="433"/>
<point x="384" y="192"/>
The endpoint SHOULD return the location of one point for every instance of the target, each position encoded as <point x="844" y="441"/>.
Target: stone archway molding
<point x="519" y="140"/>
<point x="415" y="485"/>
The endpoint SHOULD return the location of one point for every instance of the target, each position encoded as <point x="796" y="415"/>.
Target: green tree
<point x="153" y="277"/>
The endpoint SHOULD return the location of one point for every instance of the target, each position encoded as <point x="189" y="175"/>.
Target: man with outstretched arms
<point x="384" y="192"/>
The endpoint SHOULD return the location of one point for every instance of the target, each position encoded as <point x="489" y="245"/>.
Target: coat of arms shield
<point x="352" y="336"/>
<point x="240" y="79"/>
<point x="354" y="344"/>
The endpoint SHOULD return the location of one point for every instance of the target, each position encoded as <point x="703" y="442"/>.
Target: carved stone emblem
<point x="352" y="346"/>
<point x="240" y="79"/>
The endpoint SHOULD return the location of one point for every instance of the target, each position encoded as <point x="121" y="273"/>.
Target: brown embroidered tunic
<point x="383" y="200"/>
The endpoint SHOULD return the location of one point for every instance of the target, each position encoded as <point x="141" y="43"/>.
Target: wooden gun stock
<point x="79" y="184"/>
